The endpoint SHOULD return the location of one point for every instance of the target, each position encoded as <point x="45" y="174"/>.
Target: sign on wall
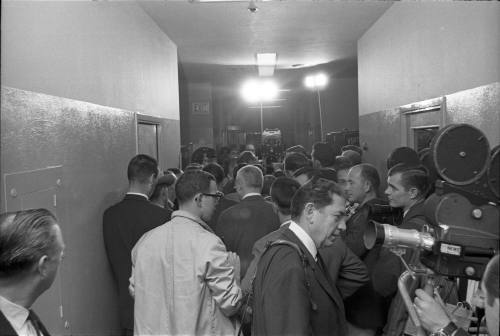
<point x="200" y="108"/>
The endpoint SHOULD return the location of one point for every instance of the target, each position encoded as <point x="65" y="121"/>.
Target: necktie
<point x="35" y="322"/>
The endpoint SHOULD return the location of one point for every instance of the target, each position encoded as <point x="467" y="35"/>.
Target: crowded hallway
<point x="144" y="192"/>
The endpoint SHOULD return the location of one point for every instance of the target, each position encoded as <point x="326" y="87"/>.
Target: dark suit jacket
<point x="243" y="224"/>
<point x="223" y="204"/>
<point x="123" y="224"/>
<point x="283" y="302"/>
<point x="398" y="315"/>
<point x="7" y="330"/>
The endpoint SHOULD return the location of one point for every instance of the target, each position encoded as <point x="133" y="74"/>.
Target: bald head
<point x="363" y="183"/>
<point x="249" y="179"/>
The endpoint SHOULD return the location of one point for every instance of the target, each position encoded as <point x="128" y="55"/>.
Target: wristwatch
<point x="446" y="331"/>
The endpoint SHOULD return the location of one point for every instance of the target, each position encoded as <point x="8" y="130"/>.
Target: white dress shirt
<point x="304" y="238"/>
<point x="18" y="318"/>
<point x="251" y="194"/>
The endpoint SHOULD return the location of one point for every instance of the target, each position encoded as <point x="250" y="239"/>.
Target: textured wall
<point x="421" y="50"/>
<point x="93" y="144"/>
<point x="107" y="53"/>
<point x="381" y="131"/>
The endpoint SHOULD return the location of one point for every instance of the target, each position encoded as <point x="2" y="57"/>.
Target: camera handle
<point x="403" y="284"/>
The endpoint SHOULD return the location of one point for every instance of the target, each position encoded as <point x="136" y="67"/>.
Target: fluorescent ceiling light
<point x="266" y="59"/>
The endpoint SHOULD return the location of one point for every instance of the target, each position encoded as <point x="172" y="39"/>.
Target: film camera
<point x="463" y="213"/>
<point x="462" y="231"/>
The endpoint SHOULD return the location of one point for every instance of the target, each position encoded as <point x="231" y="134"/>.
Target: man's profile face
<point x="355" y="188"/>
<point x="491" y="308"/>
<point x="209" y="202"/>
<point x="342" y="180"/>
<point x="328" y="222"/>
<point x="250" y="148"/>
<point x="55" y="258"/>
<point x="396" y="193"/>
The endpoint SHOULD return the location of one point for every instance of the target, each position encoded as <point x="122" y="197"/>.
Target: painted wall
<point x="381" y="131"/>
<point x="421" y="50"/>
<point x="107" y="53"/>
<point x="87" y="68"/>
<point x="93" y="145"/>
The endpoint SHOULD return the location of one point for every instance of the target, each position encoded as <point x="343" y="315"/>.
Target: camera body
<point x="463" y="215"/>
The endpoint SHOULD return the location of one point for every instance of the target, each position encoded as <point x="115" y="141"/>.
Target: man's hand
<point x="234" y="260"/>
<point x="432" y="315"/>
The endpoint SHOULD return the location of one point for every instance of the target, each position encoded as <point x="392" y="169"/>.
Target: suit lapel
<point x="5" y="326"/>
<point x="319" y="274"/>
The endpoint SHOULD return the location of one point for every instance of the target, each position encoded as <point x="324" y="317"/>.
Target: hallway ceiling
<point x="225" y="36"/>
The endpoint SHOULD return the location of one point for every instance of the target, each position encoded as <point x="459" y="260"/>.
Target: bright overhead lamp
<point x="317" y="81"/>
<point x="259" y="91"/>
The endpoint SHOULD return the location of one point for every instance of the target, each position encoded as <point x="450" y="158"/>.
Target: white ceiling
<point x="303" y="33"/>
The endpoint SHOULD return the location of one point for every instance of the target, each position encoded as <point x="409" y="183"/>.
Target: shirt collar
<point x="251" y="194"/>
<point x="138" y="194"/>
<point x="15" y="314"/>
<point x="287" y="222"/>
<point x="188" y="215"/>
<point x="304" y="238"/>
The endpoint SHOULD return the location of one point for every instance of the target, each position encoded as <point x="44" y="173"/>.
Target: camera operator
<point x="435" y="319"/>
<point x="407" y="189"/>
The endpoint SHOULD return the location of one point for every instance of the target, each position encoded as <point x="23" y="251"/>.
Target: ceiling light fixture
<point x="266" y="62"/>
<point x="252" y="7"/>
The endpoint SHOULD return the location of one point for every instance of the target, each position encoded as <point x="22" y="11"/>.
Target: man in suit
<point x="242" y="224"/>
<point x="407" y="187"/>
<point x="124" y="223"/>
<point x="31" y="249"/>
<point x="292" y="292"/>
<point x="367" y="309"/>
<point x="224" y="203"/>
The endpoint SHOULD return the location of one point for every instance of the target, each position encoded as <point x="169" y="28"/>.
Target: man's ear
<point x="367" y="187"/>
<point x="42" y="265"/>
<point x="413" y="192"/>
<point x="309" y="211"/>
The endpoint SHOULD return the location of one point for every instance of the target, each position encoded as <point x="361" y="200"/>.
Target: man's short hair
<point x="141" y="167"/>
<point x="247" y="157"/>
<point x="251" y="176"/>
<point x="323" y="152"/>
<point x="294" y="161"/>
<point x="405" y="155"/>
<point x="491" y="280"/>
<point x="369" y="173"/>
<point x="25" y="236"/>
<point x="342" y="163"/>
<point x="354" y="148"/>
<point x="320" y="193"/>
<point x="353" y="156"/>
<point x="296" y="149"/>
<point x="199" y="154"/>
<point x="412" y="177"/>
<point x="266" y="185"/>
<point x="165" y="181"/>
<point x="282" y="191"/>
<point x="216" y="170"/>
<point x="191" y="183"/>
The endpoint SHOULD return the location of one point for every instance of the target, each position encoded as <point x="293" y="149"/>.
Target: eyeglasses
<point x="218" y="195"/>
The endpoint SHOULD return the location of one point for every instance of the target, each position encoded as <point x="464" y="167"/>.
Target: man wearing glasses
<point x="183" y="279"/>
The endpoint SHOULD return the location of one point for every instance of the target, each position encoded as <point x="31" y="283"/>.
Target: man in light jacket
<point x="183" y="279"/>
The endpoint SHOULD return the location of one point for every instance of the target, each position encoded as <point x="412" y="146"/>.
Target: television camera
<point x="462" y="230"/>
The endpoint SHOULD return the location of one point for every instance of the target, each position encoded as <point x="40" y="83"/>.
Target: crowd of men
<point x="238" y="248"/>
